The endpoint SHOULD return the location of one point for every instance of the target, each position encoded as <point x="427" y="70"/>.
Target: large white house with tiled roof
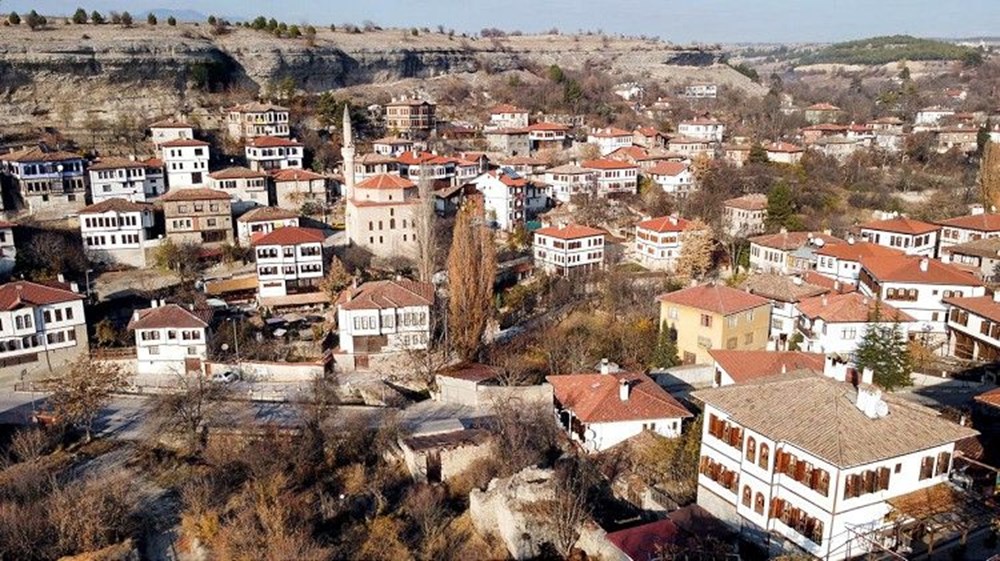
<point x="601" y="410"/>
<point x="167" y="130"/>
<point x="251" y="120"/>
<point x="811" y="464"/>
<point x="42" y="328"/>
<point x="267" y="153"/>
<point x="505" y="195"/>
<point x="614" y="177"/>
<point x="836" y="323"/>
<point x="702" y="128"/>
<point x="918" y="287"/>
<point x="567" y="180"/>
<point x="261" y="221"/>
<point x="610" y="139"/>
<point x="910" y="236"/>
<point x="116" y="231"/>
<point x="842" y="262"/>
<point x="124" y="178"/>
<point x="969" y="228"/>
<point x="170" y="340"/>
<point x="784" y="292"/>
<point x="246" y="188"/>
<point x="658" y="242"/>
<point x="569" y="249"/>
<point x="745" y="216"/>
<point x="289" y="260"/>
<point x="675" y="178"/>
<point x="788" y="252"/>
<point x="385" y="316"/>
<point x="507" y="116"/>
<point x="49" y="183"/>
<point x="186" y="163"/>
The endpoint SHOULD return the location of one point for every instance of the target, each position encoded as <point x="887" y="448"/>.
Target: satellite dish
<point x="818" y="242"/>
<point x="882" y="409"/>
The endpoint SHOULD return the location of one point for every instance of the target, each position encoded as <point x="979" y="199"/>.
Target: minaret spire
<point x="347" y="153"/>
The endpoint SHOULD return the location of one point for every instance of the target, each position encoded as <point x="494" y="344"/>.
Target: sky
<point x="709" y="21"/>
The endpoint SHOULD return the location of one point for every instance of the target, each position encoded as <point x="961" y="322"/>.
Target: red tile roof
<point x="906" y="268"/>
<point x="991" y="397"/>
<point x="295" y="175"/>
<point x="266" y="213"/>
<point x="548" y="127"/>
<point x="812" y="277"/>
<point x="257" y="107"/>
<point x="272" y="141"/>
<point x="199" y="194"/>
<point x="38" y="154"/>
<point x="786" y="241"/>
<point x="506" y="108"/>
<point x="857" y="251"/>
<point x="392" y="140"/>
<point x="507" y="179"/>
<point x="982" y="306"/>
<point x="116" y="163"/>
<point x="629" y="152"/>
<point x="386" y="181"/>
<point x="291" y="235"/>
<point x="594" y="398"/>
<point x="610" y="132"/>
<point x="387" y="294"/>
<point x="783" y="147"/>
<point x="746" y="366"/>
<point x="166" y="316"/>
<point x="170" y="124"/>
<point x="755" y="201"/>
<point x="668" y="168"/>
<point x="978" y="222"/>
<point x="852" y="307"/>
<point x="822" y="107"/>
<point x="719" y="299"/>
<point x="14" y="295"/>
<point x="648" y="131"/>
<point x="237" y="172"/>
<point x="569" y="232"/>
<point x="901" y="225"/>
<point x="115" y="205"/>
<point x="184" y="143"/>
<point x="605" y="163"/>
<point x="646" y="541"/>
<point x="664" y="224"/>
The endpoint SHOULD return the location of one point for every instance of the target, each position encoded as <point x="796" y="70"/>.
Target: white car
<point x="225" y="377"/>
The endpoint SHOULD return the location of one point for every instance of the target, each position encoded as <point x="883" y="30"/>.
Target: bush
<point x="80" y="16"/>
<point x="126" y="19"/>
<point x="14" y="19"/>
<point x="151" y="19"/>
<point x="34" y="20"/>
<point x="212" y="20"/>
<point x="171" y="21"/>
<point x="96" y="18"/>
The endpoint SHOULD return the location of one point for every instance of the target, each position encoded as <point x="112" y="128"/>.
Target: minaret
<point x="347" y="153"/>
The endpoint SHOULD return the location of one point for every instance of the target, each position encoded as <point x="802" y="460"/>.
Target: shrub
<point x="126" y="19"/>
<point x="34" y="20"/>
<point x="151" y="19"/>
<point x="80" y="16"/>
<point x="212" y="20"/>
<point x="96" y="18"/>
<point x="14" y="19"/>
<point x="171" y="21"/>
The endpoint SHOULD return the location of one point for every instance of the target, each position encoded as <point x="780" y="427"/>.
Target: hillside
<point x="63" y="75"/>
<point x="884" y="50"/>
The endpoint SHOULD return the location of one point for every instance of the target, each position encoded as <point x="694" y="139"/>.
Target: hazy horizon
<point x="708" y="21"/>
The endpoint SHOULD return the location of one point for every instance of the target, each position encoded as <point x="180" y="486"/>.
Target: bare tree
<point x="471" y="274"/>
<point x="696" y="250"/>
<point x="424" y="222"/>
<point x="196" y="402"/>
<point x="989" y="175"/>
<point x="79" y="395"/>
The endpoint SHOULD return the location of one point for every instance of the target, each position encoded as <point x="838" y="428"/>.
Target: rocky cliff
<point x="68" y="74"/>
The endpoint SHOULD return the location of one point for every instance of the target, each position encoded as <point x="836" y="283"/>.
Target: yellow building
<point x="715" y="317"/>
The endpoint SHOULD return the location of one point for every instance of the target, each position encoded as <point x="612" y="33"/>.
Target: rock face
<point x="62" y="75"/>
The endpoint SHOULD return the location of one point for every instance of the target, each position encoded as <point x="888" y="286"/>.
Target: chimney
<point x="797" y="280"/>
<point x="823" y="300"/>
<point x="785" y="231"/>
<point x="924" y="264"/>
<point x="784" y="368"/>
<point x="996" y="295"/>
<point x="836" y="286"/>
<point x="976" y="210"/>
<point x="605" y="366"/>
<point x="850" y="240"/>
<point x="623" y="389"/>
<point x="61" y="278"/>
<point x="869" y="401"/>
<point x="867" y="376"/>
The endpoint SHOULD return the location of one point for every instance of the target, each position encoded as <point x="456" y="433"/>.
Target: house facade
<point x="260" y="221"/>
<point x="116" y="231"/>
<point x="246" y="188"/>
<point x="785" y="293"/>
<point x="298" y="189"/>
<point x="385" y="316"/>
<point x="659" y="241"/>
<point x="973" y="327"/>
<point x="289" y="260"/>
<point x="912" y="237"/>
<point x="408" y="116"/>
<point x="745" y="216"/>
<point x="164" y="131"/>
<point x="963" y="229"/>
<point x="715" y="317"/>
<point x="836" y="323"/>
<point x="788" y="252"/>
<point x="568" y="250"/>
<point x="675" y="178"/>
<point x="842" y="262"/>
<point x="170" y="340"/>
<point x="269" y="153"/>
<point x="382" y="216"/>
<point x="48" y="183"/>
<point x="202" y="216"/>
<point x="568" y="180"/>
<point x="506" y="116"/>
<point x="614" y="177"/>
<point x="780" y="464"/>
<point x="186" y="163"/>
<point x="504" y="197"/>
<point x="610" y="139"/>
<point x="702" y="128"/>
<point x="251" y="120"/>
<point x="42" y="328"/>
<point x="123" y="178"/>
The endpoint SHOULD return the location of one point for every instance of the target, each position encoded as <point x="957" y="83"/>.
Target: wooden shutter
<point x="943" y="462"/>
<point x="927" y="467"/>
<point x="824" y="483"/>
<point x="883" y="478"/>
<point x="800" y="471"/>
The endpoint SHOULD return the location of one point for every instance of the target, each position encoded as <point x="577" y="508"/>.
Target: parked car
<point x="226" y="377"/>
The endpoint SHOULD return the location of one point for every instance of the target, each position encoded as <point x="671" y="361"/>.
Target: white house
<point x="912" y="237"/>
<point x="601" y="410"/>
<point x="842" y="262"/>
<point x="784" y="153"/>
<point x="811" y="464"/>
<point x="614" y="177"/>
<point x="785" y="293"/>
<point x="674" y="178"/>
<point x="788" y="252"/>
<point x="701" y="91"/>
<point x="746" y="367"/>
<point x="629" y="91"/>
<point x="289" y="260"/>
<point x="506" y="116"/>
<point x="167" y="130"/>
<point x="702" y="128"/>
<point x="124" y="178"/>
<point x="503" y="197"/>
<point x="42" y="328"/>
<point x="391" y="146"/>
<point x="51" y="184"/>
<point x="116" y="231"/>
<point x="385" y="316"/>
<point x="932" y="116"/>
<point x="745" y="216"/>
<point x="246" y="188"/>
<point x="971" y="227"/>
<point x="658" y="242"/>
<point x="251" y="120"/>
<point x="610" y="139"/>
<point x="170" y="340"/>
<point x="267" y="153"/>
<point x="186" y="162"/>
<point x="974" y="327"/>
<point x="836" y="323"/>
<point x="917" y="286"/>
<point x="261" y="221"/>
<point x="546" y="136"/>
<point x="568" y="180"/>
<point x="568" y="250"/>
<point x="302" y="190"/>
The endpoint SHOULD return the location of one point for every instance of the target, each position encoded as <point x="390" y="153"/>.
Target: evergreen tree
<point x="884" y="350"/>
<point x="758" y="155"/>
<point x="80" y="16"/>
<point x="126" y="19"/>
<point x="780" y="207"/>
<point x="14" y="19"/>
<point x="151" y="19"/>
<point x="665" y="354"/>
<point x="982" y="138"/>
<point x="259" y="23"/>
<point x="171" y="21"/>
<point x="96" y="18"/>
<point x="34" y="20"/>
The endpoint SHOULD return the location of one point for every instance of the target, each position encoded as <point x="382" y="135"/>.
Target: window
<point x="751" y="450"/>
<point x="765" y="456"/>
<point x="747" y="496"/>
<point x="926" y="468"/>
<point x="706" y="320"/>
<point x="758" y="503"/>
<point x="748" y="339"/>
<point x="732" y="343"/>
<point x="943" y="463"/>
<point x="154" y="350"/>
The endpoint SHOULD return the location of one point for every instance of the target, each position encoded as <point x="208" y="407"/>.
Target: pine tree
<point x="80" y="16"/>
<point x="471" y="273"/>
<point x="151" y="19"/>
<point x="884" y="350"/>
<point x="171" y="21"/>
<point x="665" y="354"/>
<point x="126" y="19"/>
<point x="758" y="155"/>
<point x="14" y="19"/>
<point x="780" y="207"/>
<point x="96" y="18"/>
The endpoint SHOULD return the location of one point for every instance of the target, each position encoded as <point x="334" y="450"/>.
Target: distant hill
<point x="883" y="50"/>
